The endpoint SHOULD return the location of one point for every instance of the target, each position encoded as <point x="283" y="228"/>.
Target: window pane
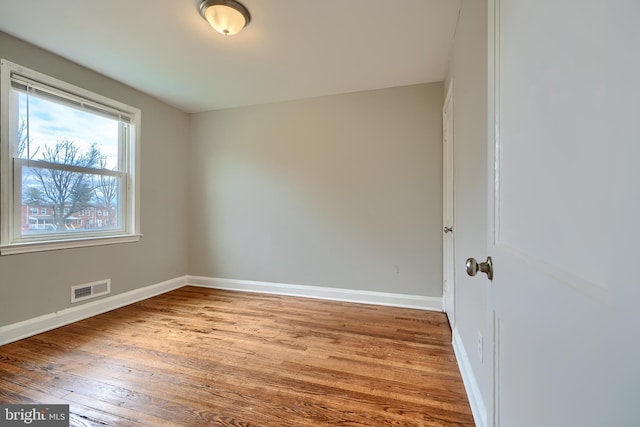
<point x="68" y="175"/>
<point x="59" y="133"/>
<point x="61" y="201"/>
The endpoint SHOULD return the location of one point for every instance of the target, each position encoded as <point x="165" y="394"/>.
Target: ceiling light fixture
<point x="227" y="17"/>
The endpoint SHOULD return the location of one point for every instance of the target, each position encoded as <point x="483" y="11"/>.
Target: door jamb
<point x="448" y="200"/>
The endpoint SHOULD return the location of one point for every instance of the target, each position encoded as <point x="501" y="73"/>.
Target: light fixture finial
<point x="227" y="17"/>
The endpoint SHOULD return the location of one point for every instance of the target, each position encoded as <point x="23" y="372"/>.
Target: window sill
<point x="22" y="248"/>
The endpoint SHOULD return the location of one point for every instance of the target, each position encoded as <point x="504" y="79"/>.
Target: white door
<point x="564" y="228"/>
<point x="448" y="241"/>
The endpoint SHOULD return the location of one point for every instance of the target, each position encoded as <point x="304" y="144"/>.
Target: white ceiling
<point x="292" y="49"/>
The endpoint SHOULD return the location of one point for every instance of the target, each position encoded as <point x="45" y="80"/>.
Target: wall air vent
<point x="90" y="290"/>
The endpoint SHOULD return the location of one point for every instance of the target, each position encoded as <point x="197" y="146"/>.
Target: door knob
<point x="485" y="267"/>
<point x="447" y="229"/>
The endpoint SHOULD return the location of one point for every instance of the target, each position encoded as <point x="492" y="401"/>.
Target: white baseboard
<point x="334" y="294"/>
<point x="30" y="327"/>
<point x="47" y="322"/>
<point x="478" y="407"/>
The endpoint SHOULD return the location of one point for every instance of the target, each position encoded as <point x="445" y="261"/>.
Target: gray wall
<point x="341" y="191"/>
<point x="39" y="283"/>
<point x="468" y="68"/>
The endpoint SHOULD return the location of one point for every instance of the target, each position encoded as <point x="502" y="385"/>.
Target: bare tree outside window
<point x="63" y="188"/>
<point x="106" y="191"/>
<point x="23" y="142"/>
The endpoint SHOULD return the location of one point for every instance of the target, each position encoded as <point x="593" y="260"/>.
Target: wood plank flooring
<point x="196" y="357"/>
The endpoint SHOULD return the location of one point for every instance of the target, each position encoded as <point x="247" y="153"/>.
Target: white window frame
<point x="11" y="242"/>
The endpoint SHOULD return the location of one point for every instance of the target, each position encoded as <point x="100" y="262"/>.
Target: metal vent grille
<point x="82" y="292"/>
<point x="90" y="290"/>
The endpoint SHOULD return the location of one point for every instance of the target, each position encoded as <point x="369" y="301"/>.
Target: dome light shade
<point x="227" y="17"/>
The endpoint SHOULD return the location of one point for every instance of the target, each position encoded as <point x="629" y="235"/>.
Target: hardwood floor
<point x="197" y="356"/>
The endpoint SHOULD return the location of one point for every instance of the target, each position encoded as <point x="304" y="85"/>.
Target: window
<point x="64" y="150"/>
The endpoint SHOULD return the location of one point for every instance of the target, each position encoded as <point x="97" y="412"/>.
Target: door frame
<point x="448" y="205"/>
